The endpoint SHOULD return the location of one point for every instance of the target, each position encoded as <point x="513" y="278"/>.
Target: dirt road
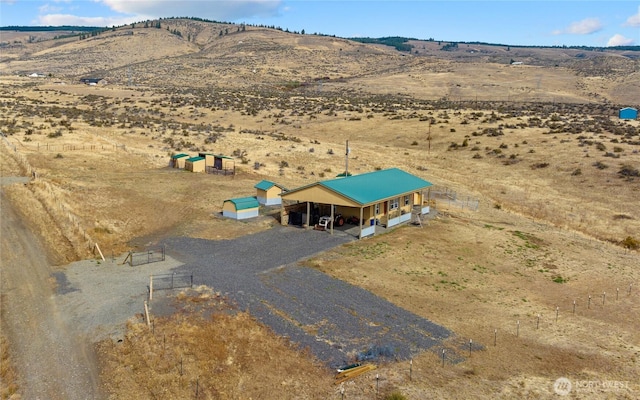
<point x="53" y="360"/>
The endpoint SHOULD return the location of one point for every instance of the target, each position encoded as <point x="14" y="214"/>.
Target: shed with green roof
<point x="221" y="162"/>
<point x="179" y="160"/>
<point x="268" y="193"/>
<point x="241" y="208"/>
<point x="195" y="164"/>
<point x="386" y="197"/>
<point x="208" y="159"/>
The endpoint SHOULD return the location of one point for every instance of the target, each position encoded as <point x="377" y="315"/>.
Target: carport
<point x="386" y="197"/>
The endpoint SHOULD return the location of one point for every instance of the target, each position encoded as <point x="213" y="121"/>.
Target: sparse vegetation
<point x="631" y="243"/>
<point x="115" y="140"/>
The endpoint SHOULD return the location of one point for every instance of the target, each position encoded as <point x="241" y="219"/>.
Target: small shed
<point x="223" y="162"/>
<point x="195" y="164"/>
<point x="268" y="193"/>
<point x="179" y="160"/>
<point x="208" y="159"/>
<point x="241" y="208"/>
<point x="628" y="113"/>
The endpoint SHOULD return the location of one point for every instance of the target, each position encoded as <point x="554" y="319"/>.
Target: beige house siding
<point x="208" y="159"/>
<point x="319" y="194"/>
<point x="270" y="196"/>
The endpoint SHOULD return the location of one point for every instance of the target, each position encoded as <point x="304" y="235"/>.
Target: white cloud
<point x="633" y="20"/>
<point x="140" y="10"/>
<point x="584" y="27"/>
<point x="619" y="40"/>
<point x="48" y="8"/>
<point x="225" y="10"/>
<point x="68" y="19"/>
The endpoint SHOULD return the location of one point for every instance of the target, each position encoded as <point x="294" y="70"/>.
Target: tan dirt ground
<point x="541" y="238"/>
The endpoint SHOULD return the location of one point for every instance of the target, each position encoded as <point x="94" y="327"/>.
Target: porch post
<point x="375" y="219"/>
<point x="308" y="212"/>
<point x="332" y="219"/>
<point x="360" y="234"/>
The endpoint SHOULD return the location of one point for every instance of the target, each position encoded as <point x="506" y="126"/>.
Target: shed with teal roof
<point x="268" y="193"/>
<point x="195" y="164"/>
<point x="241" y="208"/>
<point x="179" y="160"/>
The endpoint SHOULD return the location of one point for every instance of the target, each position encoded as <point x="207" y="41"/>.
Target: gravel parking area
<point x="335" y="320"/>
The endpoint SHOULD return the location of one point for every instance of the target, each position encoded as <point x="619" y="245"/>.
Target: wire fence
<point x="46" y="193"/>
<point x="172" y="281"/>
<point x="568" y="316"/>
<point x="145" y="257"/>
<point x="76" y="147"/>
<point x="444" y="196"/>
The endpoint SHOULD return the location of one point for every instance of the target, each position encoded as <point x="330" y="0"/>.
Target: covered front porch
<point x="360" y="221"/>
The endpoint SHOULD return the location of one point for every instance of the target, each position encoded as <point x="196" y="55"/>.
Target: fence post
<point x="150" y="287"/>
<point x="146" y="313"/>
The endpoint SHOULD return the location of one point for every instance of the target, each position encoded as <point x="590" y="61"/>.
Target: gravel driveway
<point x="335" y="320"/>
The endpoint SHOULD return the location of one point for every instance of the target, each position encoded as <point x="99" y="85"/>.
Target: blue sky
<point x="542" y="23"/>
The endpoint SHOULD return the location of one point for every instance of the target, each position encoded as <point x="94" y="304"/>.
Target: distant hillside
<point x="402" y="44"/>
<point x="191" y="53"/>
<point x="398" y="42"/>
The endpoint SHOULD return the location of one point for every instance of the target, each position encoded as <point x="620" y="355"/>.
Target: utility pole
<point x="429" y="136"/>
<point x="346" y="161"/>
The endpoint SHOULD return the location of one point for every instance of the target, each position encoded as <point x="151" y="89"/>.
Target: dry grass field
<point x="539" y="145"/>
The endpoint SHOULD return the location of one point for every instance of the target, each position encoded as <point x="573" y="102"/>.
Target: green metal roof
<point x="266" y="185"/>
<point x="243" y="203"/>
<point x="193" y="159"/>
<point x="221" y="156"/>
<point x="373" y="187"/>
<point x="181" y="155"/>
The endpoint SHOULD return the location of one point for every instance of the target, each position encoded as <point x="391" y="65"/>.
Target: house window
<point x="393" y="204"/>
<point x="406" y="200"/>
<point x="376" y="209"/>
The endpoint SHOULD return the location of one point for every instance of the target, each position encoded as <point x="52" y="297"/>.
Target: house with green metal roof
<point x="241" y="208"/>
<point x="386" y="197"/>
<point x="268" y="193"/>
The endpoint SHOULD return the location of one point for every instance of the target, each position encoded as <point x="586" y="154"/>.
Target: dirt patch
<point x="52" y="360"/>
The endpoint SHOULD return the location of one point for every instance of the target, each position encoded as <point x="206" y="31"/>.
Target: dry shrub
<point x="628" y="171"/>
<point x="226" y="356"/>
<point x="8" y="378"/>
<point x="631" y="243"/>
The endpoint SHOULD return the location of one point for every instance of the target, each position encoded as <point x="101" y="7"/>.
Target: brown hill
<point x="194" y="53"/>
